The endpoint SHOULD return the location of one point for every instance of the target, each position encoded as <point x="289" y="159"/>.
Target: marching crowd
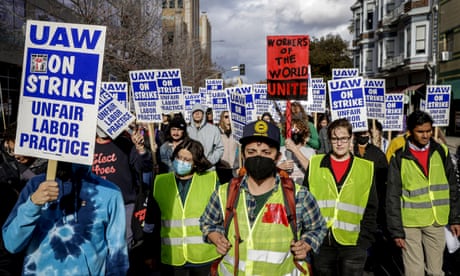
<point x="312" y="199"/>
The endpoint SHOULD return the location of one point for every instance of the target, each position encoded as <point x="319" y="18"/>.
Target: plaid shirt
<point x="310" y="223"/>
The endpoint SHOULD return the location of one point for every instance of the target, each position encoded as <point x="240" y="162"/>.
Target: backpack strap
<point x="233" y="194"/>
<point x="289" y="205"/>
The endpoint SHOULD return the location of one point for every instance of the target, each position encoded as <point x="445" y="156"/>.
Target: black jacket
<point x="394" y="188"/>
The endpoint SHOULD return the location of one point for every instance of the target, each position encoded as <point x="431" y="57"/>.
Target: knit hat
<point x="179" y="123"/>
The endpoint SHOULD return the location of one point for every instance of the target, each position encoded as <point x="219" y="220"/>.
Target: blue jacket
<point x="82" y="233"/>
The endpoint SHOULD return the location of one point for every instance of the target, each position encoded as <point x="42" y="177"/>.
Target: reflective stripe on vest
<point x="265" y="249"/>
<point x="343" y="211"/>
<point x="242" y="267"/>
<point x="181" y="237"/>
<point x="424" y="200"/>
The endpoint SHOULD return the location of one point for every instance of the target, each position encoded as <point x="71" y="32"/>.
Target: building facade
<point x="449" y="59"/>
<point x="399" y="41"/>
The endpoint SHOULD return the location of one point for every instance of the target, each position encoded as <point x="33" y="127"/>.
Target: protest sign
<point x="346" y="98"/>
<point x="61" y="81"/>
<point x="246" y="90"/>
<point x="318" y="97"/>
<point x="215" y="87"/>
<point x="261" y="103"/>
<point x="437" y="103"/>
<point x="113" y="118"/>
<point x="344" y="73"/>
<point x="169" y="86"/>
<point x="118" y="90"/>
<point x="287" y="67"/>
<point x="374" y="89"/>
<point x="394" y="112"/>
<point x="190" y="99"/>
<point x="145" y="96"/>
<point x="237" y="113"/>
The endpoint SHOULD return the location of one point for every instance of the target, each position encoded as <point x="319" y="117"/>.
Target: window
<point x="408" y="40"/>
<point x="370" y="20"/>
<point x="357" y="26"/>
<point x="420" y="40"/>
<point x="390" y="48"/>
<point x="172" y="4"/>
<point x="369" y="60"/>
<point x="180" y="4"/>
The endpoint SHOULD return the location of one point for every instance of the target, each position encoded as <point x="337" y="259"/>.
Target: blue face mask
<point x="182" y="167"/>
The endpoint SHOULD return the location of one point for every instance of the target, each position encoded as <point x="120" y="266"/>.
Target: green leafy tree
<point x="327" y="53"/>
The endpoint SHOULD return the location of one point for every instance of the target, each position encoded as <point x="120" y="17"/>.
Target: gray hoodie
<point x="208" y="135"/>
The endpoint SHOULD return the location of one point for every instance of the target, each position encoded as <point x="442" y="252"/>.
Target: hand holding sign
<point x="47" y="191"/>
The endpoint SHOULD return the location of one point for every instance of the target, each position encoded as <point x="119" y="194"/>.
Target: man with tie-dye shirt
<point x="74" y="225"/>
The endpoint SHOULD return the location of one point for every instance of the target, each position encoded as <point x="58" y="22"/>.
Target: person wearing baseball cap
<point x="260" y="213"/>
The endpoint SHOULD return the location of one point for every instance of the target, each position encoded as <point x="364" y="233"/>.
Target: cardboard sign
<point x="344" y="73"/>
<point x="374" y="89"/>
<point x="261" y="102"/>
<point x="145" y="96"/>
<point x="190" y="99"/>
<point x="247" y="92"/>
<point x="113" y="117"/>
<point x="287" y="67"/>
<point x="215" y="88"/>
<point x="61" y="81"/>
<point x="118" y="90"/>
<point x="438" y="103"/>
<point x="318" y="97"/>
<point x="394" y="112"/>
<point x="169" y="85"/>
<point x="347" y="101"/>
<point x="237" y="113"/>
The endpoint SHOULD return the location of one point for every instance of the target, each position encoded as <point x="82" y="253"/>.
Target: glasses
<point x="335" y="140"/>
<point x="226" y="116"/>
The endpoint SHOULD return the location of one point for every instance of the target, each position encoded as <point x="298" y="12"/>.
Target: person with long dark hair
<point x="179" y="200"/>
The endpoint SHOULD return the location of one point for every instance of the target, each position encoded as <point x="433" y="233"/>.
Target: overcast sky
<point x="243" y="25"/>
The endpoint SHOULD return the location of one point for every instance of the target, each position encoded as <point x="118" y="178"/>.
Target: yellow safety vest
<point x="343" y="211"/>
<point x="181" y="237"/>
<point x="424" y="200"/>
<point x="265" y="249"/>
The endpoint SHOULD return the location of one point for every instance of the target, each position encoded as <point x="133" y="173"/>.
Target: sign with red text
<point x="287" y="67"/>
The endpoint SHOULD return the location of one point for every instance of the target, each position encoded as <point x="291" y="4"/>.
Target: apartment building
<point x="406" y="42"/>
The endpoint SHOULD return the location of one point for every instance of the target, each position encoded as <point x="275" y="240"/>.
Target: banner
<point x="61" y="81"/>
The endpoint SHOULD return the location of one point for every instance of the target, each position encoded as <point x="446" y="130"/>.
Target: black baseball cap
<point x="261" y="131"/>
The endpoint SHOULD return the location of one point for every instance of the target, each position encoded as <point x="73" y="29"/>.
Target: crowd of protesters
<point x="363" y="203"/>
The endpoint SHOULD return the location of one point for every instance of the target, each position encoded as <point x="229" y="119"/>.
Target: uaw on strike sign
<point x="60" y="87"/>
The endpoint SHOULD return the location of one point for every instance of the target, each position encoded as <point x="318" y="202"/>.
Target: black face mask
<point x="362" y="140"/>
<point x="259" y="167"/>
<point x="297" y="137"/>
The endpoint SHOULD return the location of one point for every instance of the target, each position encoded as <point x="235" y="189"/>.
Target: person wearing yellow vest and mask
<point x="266" y="244"/>
<point x="422" y="198"/>
<point x="344" y="188"/>
<point x="181" y="197"/>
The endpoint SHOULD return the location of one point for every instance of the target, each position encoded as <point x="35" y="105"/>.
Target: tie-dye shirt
<point x="82" y="233"/>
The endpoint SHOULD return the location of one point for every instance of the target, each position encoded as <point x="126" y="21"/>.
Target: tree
<point x="327" y="53"/>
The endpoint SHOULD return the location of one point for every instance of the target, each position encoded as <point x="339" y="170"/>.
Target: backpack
<point x="233" y="193"/>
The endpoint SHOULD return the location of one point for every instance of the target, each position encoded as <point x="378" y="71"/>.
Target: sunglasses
<point x="226" y="116"/>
